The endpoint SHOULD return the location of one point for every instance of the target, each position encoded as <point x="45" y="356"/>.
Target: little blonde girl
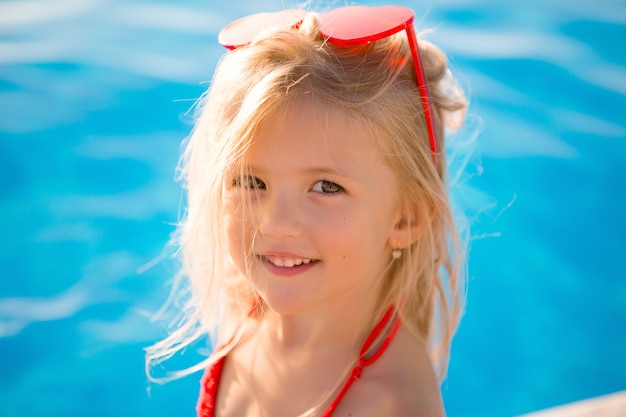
<point x="318" y="239"/>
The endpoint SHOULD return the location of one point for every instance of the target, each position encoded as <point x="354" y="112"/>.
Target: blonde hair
<point x="375" y="85"/>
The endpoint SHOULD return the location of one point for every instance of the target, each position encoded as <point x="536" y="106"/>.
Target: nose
<point x="280" y="215"/>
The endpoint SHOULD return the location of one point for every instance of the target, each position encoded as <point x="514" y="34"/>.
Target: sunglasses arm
<point x="422" y="84"/>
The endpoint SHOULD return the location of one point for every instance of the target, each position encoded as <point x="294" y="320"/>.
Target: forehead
<point x="318" y="131"/>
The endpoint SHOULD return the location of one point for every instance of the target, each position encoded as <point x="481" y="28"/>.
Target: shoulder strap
<point x="208" y="388"/>
<point x="358" y="368"/>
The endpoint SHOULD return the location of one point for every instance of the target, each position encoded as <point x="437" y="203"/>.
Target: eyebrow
<point x="324" y="170"/>
<point x="313" y="170"/>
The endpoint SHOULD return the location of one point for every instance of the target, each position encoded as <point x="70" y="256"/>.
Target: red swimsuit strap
<point x="358" y="368"/>
<point x="208" y="388"/>
<point x="213" y="374"/>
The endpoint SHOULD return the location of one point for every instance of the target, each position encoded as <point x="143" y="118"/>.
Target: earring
<point x="396" y="254"/>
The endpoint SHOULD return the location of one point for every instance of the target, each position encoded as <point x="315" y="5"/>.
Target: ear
<point x="407" y="227"/>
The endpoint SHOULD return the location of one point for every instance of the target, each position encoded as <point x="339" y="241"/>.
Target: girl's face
<point x="323" y="212"/>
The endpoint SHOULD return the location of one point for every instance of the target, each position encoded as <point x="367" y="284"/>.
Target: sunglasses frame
<point x="336" y="26"/>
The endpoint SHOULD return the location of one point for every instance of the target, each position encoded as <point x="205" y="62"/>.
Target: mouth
<point x="287" y="262"/>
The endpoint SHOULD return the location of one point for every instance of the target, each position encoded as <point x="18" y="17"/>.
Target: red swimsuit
<point x="211" y="378"/>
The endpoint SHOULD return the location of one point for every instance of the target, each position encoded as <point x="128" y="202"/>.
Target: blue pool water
<point x="93" y="95"/>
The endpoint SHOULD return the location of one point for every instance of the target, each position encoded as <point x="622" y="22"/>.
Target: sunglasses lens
<point x="358" y="24"/>
<point x="243" y="31"/>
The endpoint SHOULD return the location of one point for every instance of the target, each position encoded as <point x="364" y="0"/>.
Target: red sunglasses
<point x="345" y="26"/>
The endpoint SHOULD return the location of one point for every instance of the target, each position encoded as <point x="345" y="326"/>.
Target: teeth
<point x="288" y="262"/>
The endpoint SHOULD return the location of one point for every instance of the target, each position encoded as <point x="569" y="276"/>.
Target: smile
<point x="287" y="262"/>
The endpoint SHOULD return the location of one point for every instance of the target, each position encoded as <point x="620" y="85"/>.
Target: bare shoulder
<point x="401" y="383"/>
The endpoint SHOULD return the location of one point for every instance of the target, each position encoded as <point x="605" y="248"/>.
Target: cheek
<point x="238" y="232"/>
<point x="235" y="236"/>
<point x="343" y="233"/>
<point x="361" y="234"/>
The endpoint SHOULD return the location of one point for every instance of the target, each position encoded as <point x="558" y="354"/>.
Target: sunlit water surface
<point x="93" y="96"/>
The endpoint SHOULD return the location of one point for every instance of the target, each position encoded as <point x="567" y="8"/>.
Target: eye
<point x="327" y="187"/>
<point x="248" y="182"/>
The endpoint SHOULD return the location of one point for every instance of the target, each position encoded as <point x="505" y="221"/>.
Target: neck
<point x="334" y="329"/>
